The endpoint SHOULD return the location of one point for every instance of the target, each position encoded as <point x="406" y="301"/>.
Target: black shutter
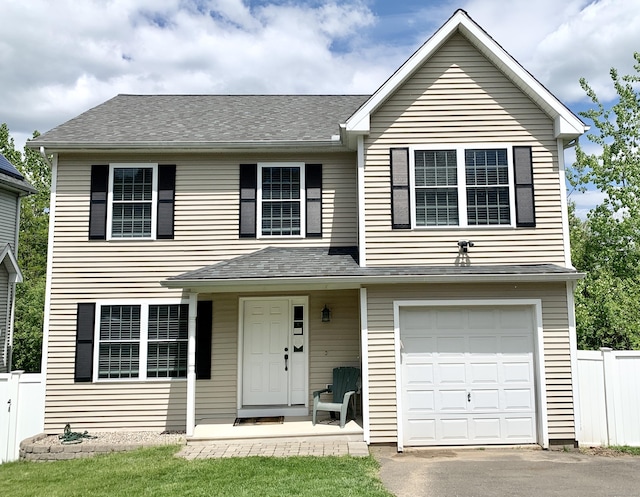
<point x="204" y="323"/>
<point x="248" y="193"/>
<point x="85" y="322"/>
<point x="313" y="186"/>
<point x="98" y="202"/>
<point x="523" y="179"/>
<point x="166" y="200"/>
<point x="400" y="208"/>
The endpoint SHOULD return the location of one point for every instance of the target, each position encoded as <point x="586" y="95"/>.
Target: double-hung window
<point x="132" y="204"/>
<point x="462" y="186"/>
<point x="281" y="200"/>
<point x="141" y="341"/>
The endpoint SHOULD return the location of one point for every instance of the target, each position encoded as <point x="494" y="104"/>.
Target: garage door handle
<point x="469" y="397"/>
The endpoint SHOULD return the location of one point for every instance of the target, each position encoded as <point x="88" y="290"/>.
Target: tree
<point x="607" y="244"/>
<point x="32" y="254"/>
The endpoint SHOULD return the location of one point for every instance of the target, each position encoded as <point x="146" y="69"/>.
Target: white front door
<point x="467" y="375"/>
<point x="266" y="355"/>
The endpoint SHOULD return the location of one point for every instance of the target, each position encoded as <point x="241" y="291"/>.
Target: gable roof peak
<point x="566" y="124"/>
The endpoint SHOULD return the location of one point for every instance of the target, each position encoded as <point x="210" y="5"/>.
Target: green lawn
<point x="156" y="472"/>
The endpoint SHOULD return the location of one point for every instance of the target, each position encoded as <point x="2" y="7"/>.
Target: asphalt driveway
<point x="506" y="472"/>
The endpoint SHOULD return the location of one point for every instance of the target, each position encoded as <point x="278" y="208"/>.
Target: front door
<point x="266" y="355"/>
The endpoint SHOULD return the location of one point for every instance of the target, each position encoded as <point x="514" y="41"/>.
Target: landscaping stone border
<point x="30" y="451"/>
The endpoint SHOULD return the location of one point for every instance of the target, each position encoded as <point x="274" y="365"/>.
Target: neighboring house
<point x="196" y="241"/>
<point x="12" y="187"/>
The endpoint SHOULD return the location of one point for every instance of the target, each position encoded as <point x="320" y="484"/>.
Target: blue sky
<point x="58" y="59"/>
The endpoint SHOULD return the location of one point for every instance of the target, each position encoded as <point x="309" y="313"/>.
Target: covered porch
<point x="262" y="340"/>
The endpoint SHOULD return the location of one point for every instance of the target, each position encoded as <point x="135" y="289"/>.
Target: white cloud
<point x="68" y="56"/>
<point x="560" y="42"/>
<point x="61" y="58"/>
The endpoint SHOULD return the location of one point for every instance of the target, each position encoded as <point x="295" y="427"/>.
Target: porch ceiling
<point x="309" y="268"/>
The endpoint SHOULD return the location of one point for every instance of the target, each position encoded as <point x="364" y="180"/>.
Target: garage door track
<point x="512" y="472"/>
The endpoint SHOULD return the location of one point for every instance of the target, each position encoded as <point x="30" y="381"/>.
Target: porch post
<point x="191" y="365"/>
<point x="364" y="343"/>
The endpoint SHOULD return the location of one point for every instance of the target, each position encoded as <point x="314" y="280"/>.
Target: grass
<point x="156" y="472"/>
<point x="625" y="449"/>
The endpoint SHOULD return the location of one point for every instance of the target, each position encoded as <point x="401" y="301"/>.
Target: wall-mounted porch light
<point x="326" y="314"/>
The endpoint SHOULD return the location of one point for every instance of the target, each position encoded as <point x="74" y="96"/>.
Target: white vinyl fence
<point x="609" y="396"/>
<point x="21" y="411"/>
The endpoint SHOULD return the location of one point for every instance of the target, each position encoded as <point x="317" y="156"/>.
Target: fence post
<point x="14" y="389"/>
<point x="609" y="381"/>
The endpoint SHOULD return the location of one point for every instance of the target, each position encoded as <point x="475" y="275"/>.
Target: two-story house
<point x="214" y="257"/>
<point x="13" y="186"/>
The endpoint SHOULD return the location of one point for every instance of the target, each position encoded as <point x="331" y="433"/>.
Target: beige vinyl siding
<point x="458" y="96"/>
<point x="206" y="232"/>
<point x="161" y="405"/>
<point x="382" y="380"/>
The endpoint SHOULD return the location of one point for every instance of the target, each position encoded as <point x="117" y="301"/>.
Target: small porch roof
<point x="337" y="267"/>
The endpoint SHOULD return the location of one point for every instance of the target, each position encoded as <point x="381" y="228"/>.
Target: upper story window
<point x="462" y="186"/>
<point x="132" y="196"/>
<point x="280" y="200"/>
<point x="280" y="195"/>
<point x="132" y="202"/>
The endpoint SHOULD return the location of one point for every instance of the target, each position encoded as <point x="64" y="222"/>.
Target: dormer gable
<point x="567" y="126"/>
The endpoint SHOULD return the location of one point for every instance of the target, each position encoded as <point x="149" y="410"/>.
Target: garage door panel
<point x="450" y="346"/>
<point x="519" y="430"/>
<point x="485" y="400"/>
<point x="453" y="430"/>
<point x="421" y="401"/>
<point x="486" y="430"/>
<point x="451" y="373"/>
<point x="467" y="376"/>
<point x="515" y="399"/>
<point x="421" y="432"/>
<point x="511" y="318"/>
<point x="419" y="375"/>
<point x="484" y="373"/>
<point x="515" y="345"/>
<point x="483" y="345"/>
<point x="481" y="319"/>
<point x="419" y="345"/>
<point x="517" y="372"/>
<point x="451" y="400"/>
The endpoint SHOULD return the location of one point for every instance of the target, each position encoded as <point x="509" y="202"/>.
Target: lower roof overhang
<point x="231" y="285"/>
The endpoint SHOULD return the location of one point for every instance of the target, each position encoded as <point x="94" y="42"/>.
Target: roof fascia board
<point x="567" y="124"/>
<point x="355" y="281"/>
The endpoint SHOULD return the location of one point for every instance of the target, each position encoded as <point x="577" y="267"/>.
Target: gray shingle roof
<point x="206" y="119"/>
<point x="341" y="262"/>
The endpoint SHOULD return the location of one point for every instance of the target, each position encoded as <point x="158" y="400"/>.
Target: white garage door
<point x="467" y="375"/>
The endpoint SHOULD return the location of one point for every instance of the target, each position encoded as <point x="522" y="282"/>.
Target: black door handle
<point x="286" y="362"/>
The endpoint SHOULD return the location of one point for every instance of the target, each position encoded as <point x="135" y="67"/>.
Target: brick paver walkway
<point x="273" y="448"/>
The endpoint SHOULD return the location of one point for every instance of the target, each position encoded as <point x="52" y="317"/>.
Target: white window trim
<point x="154" y="200"/>
<point x="144" y="338"/>
<point x="303" y="199"/>
<point x="462" y="186"/>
